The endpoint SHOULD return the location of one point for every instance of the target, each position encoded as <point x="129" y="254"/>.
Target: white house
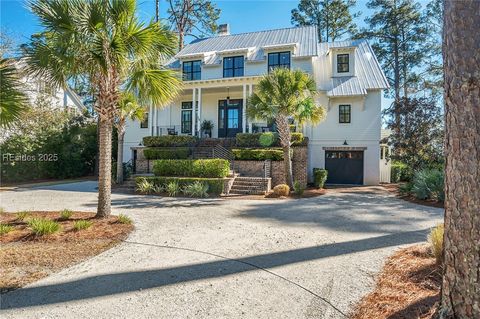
<point x="221" y="72"/>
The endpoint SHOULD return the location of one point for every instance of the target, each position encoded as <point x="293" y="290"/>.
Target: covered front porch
<point x="220" y="103"/>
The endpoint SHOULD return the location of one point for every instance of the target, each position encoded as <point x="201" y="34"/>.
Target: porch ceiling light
<point x="228" y="95"/>
<point x="345" y="143"/>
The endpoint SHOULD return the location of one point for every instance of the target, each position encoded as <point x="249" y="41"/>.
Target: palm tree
<point x="12" y="100"/>
<point x="461" y="264"/>
<point x="282" y="95"/>
<point x="106" y="42"/>
<point x="128" y="109"/>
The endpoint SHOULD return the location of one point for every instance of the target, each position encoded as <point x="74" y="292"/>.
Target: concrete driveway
<point x="216" y="258"/>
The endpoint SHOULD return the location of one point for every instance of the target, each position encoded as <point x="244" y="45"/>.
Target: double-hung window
<point x="192" y="70"/>
<point x="233" y="66"/>
<point x="186" y="117"/>
<point x="278" y="60"/>
<point x="343" y="63"/>
<point x="344" y="113"/>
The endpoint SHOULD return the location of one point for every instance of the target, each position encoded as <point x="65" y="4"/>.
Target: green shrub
<point x="296" y="138"/>
<point x="66" y="214"/>
<point x="405" y="188"/>
<point x="5" y="229"/>
<point x="215" y="185"/>
<point x="158" y="189"/>
<point x="428" y="184"/>
<point x="298" y="188"/>
<point x="267" y="139"/>
<point x="248" y="139"/>
<point x="162" y="153"/>
<point x="253" y="139"/>
<point x="281" y="190"/>
<point x="144" y="186"/>
<point x="42" y="226"/>
<point x="249" y="154"/>
<point x="172" y="188"/>
<point x="169" y="140"/>
<point x="435" y="239"/>
<point x="399" y="172"/>
<point x="196" y="189"/>
<point x="319" y="177"/>
<point x="192" y="168"/>
<point x="124" y="219"/>
<point x="22" y="215"/>
<point x="82" y="224"/>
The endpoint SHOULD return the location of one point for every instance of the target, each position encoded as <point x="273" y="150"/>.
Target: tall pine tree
<point x="333" y="18"/>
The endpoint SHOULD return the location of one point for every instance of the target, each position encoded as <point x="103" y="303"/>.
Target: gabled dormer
<point x="343" y="61"/>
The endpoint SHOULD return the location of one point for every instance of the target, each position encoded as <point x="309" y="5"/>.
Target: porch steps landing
<point x="243" y="185"/>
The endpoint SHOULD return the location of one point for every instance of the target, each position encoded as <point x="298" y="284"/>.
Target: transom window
<point x="344" y="113"/>
<point x="144" y="122"/>
<point x="278" y="60"/>
<point x="186" y="117"/>
<point x="343" y="63"/>
<point x="192" y="70"/>
<point x="233" y="66"/>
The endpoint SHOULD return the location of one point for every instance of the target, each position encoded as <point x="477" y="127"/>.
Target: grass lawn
<point x="26" y="256"/>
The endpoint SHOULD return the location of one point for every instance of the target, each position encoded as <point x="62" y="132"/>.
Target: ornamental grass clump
<point x="196" y="189"/>
<point x="82" y="224"/>
<point x="124" y="219"/>
<point x="22" y="215"/>
<point x="145" y="187"/>
<point x="435" y="239"/>
<point x="281" y="190"/>
<point x="5" y="229"/>
<point x="66" y="214"/>
<point x="298" y="188"/>
<point x="42" y="226"/>
<point x="172" y="189"/>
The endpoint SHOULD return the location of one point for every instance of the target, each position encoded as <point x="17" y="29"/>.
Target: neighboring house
<point x="221" y="72"/>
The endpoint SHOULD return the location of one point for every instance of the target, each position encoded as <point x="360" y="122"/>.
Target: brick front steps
<point x="243" y="185"/>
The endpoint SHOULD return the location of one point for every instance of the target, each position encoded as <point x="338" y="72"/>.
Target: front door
<point x="229" y="118"/>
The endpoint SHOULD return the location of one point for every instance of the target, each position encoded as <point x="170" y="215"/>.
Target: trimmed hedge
<point x="215" y="185"/>
<point x="162" y="153"/>
<point x="169" y="140"/>
<point x="192" y="168"/>
<point x="319" y="177"/>
<point x="253" y="139"/>
<point x="248" y="154"/>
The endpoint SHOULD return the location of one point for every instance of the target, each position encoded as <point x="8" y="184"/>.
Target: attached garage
<point x="344" y="167"/>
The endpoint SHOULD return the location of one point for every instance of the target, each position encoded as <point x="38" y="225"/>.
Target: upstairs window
<point x="343" y="63"/>
<point x="233" y="66"/>
<point x="278" y="60"/>
<point x="144" y="122"/>
<point x="344" y="113"/>
<point x="192" y="70"/>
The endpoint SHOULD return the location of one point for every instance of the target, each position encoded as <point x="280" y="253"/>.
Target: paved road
<point x="215" y="258"/>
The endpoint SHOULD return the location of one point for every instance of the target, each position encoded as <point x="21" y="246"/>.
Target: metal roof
<point x="303" y="39"/>
<point x="368" y="74"/>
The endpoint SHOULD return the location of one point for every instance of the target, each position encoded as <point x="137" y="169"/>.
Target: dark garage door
<point x="344" y="167"/>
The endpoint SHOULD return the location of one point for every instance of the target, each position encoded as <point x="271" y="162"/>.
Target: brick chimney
<point x="224" y="29"/>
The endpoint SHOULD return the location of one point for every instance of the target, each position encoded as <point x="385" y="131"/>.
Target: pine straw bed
<point x="25" y="258"/>
<point x="407" y="288"/>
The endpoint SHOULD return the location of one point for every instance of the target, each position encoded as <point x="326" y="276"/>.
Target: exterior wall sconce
<point x="345" y="143"/>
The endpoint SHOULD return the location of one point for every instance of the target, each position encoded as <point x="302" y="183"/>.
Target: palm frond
<point x="12" y="100"/>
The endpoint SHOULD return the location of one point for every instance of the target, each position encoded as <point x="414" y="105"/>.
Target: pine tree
<point x="333" y="18"/>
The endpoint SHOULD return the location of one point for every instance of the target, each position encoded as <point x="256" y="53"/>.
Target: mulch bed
<point x="407" y="288"/>
<point x="394" y="188"/>
<point x="25" y="257"/>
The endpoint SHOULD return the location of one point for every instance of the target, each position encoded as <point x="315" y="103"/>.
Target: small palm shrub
<point x="82" y="224"/>
<point x="172" y="189"/>
<point x="435" y="238"/>
<point x="5" y="229"/>
<point x="41" y="226"/>
<point x="22" y="215"/>
<point x="66" y="214"/>
<point x="145" y="187"/>
<point x="281" y="190"/>
<point x="429" y="184"/>
<point x="319" y="177"/>
<point x="158" y="189"/>
<point x="124" y="219"/>
<point x="298" y="188"/>
<point x="196" y="189"/>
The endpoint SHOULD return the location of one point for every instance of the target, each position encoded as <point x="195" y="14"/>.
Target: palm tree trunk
<point x="121" y="136"/>
<point x="105" y="169"/>
<point x="461" y="275"/>
<point x="284" y="134"/>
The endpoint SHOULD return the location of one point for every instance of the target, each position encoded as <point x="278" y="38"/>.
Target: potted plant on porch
<point x="207" y="127"/>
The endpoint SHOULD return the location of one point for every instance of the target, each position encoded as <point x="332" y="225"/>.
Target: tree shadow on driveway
<point x="117" y="283"/>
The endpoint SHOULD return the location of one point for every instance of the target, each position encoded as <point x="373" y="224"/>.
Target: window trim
<point x="190" y="76"/>
<point x="187" y="107"/>
<point x="144" y="122"/>
<point x="233" y="68"/>
<point x="342" y="114"/>
<point x="343" y="63"/>
<point x="273" y="66"/>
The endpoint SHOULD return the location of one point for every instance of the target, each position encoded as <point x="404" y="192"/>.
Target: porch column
<point x="150" y="120"/>
<point x="244" y="109"/>
<point x="250" y="92"/>
<point x="199" y="97"/>
<point x="194" y="112"/>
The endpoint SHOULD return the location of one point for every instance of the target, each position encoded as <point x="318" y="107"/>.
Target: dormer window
<point x="192" y="70"/>
<point x="233" y="66"/>
<point x="343" y="63"/>
<point x="278" y="60"/>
